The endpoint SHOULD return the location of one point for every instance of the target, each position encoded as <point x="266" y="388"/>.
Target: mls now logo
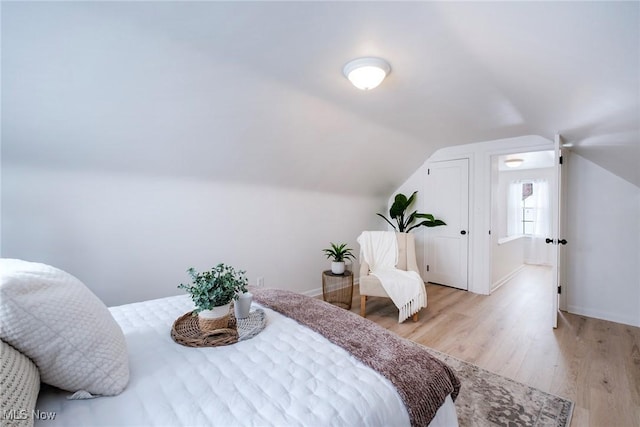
<point x="23" y="414"/>
<point x="15" y="414"/>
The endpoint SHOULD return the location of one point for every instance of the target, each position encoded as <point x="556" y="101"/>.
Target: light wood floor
<point x="594" y="363"/>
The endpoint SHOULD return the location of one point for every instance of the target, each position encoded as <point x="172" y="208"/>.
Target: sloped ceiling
<point x="254" y="92"/>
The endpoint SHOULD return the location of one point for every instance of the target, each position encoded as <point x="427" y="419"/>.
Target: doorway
<point x="521" y="214"/>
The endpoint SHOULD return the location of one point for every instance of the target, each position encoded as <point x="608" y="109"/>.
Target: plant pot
<point x="337" y="267"/>
<point x="216" y="318"/>
<point x="242" y="306"/>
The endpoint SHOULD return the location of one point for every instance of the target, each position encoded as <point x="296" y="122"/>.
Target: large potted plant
<point x="212" y="293"/>
<point x="338" y="254"/>
<point x="405" y="223"/>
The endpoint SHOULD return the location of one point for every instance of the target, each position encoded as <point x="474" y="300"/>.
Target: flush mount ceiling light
<point x="513" y="163"/>
<point x="366" y="73"/>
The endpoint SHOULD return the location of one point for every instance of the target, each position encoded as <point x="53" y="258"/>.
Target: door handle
<point x="562" y="242"/>
<point x="548" y="240"/>
<point x="463" y="232"/>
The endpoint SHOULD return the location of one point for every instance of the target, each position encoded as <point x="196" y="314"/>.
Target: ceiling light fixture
<point x="513" y="163"/>
<point x="366" y="73"/>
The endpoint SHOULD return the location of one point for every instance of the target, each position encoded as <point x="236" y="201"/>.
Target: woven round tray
<point x="186" y="330"/>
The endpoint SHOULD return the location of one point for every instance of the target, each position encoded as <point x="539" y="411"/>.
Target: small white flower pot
<point x="215" y="312"/>
<point x="337" y="267"/>
<point x="242" y="306"/>
<point x="216" y="318"/>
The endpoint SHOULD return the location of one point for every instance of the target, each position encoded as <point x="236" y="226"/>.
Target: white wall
<point x="508" y="258"/>
<point x="604" y="244"/>
<point x="131" y="237"/>
<point x="603" y="254"/>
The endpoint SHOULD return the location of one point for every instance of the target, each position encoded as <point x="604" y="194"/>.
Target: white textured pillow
<point x="19" y="387"/>
<point x="53" y="318"/>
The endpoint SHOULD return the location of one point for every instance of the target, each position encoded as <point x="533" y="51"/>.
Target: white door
<point x="447" y="198"/>
<point x="557" y="239"/>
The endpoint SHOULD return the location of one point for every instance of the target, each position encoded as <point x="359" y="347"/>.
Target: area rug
<point x="488" y="399"/>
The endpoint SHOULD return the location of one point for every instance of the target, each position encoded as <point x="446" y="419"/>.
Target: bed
<point x="287" y="375"/>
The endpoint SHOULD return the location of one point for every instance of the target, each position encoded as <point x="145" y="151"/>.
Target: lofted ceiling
<point x="253" y="91"/>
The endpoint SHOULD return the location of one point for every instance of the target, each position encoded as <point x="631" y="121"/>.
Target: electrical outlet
<point x="260" y="282"/>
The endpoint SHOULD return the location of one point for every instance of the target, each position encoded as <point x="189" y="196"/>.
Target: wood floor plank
<point x="594" y="363"/>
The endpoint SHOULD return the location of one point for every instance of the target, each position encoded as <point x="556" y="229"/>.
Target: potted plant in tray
<point x="338" y="253"/>
<point x="212" y="293"/>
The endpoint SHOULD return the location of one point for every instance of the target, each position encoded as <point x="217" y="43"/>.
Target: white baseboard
<point x="543" y="264"/>
<point x="313" y="292"/>
<point x="316" y="292"/>
<point x="611" y="317"/>
<point x="506" y="278"/>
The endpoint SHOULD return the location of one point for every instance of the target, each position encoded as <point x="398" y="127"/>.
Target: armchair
<point x="371" y="286"/>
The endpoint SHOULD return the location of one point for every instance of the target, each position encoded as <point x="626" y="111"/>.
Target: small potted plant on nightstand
<point x="212" y="293"/>
<point x="337" y="254"/>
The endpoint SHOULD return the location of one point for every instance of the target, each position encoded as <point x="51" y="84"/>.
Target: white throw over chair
<point x="371" y="286"/>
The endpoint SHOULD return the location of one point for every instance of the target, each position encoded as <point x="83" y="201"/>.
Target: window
<point x="528" y="208"/>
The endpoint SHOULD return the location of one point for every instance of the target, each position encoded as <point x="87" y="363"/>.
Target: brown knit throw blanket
<point x="422" y="381"/>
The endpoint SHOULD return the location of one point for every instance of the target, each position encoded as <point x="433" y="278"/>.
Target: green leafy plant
<point x="338" y="252"/>
<point x="214" y="288"/>
<point x="405" y="224"/>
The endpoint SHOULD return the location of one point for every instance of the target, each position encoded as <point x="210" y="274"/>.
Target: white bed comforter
<point x="287" y="375"/>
